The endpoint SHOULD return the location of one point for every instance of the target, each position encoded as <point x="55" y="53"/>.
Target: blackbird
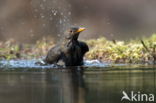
<point x="69" y="49"/>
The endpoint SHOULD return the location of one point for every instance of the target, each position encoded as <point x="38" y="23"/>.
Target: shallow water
<point x="74" y="84"/>
<point x="32" y="64"/>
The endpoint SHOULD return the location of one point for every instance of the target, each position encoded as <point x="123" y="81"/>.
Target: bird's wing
<point x="53" y="55"/>
<point x="84" y="47"/>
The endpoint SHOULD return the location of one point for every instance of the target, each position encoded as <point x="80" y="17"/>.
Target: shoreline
<point x="132" y="51"/>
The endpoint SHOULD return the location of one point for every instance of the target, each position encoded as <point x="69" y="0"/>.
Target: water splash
<point x="29" y="64"/>
<point x="14" y="64"/>
<point x="95" y="63"/>
<point x="54" y="14"/>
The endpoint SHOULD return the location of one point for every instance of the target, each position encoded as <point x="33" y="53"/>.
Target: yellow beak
<point x="81" y="29"/>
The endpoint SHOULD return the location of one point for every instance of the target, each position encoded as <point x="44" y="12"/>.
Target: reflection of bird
<point x="69" y="49"/>
<point x="125" y="96"/>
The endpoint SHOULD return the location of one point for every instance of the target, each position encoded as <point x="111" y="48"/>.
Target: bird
<point x="69" y="49"/>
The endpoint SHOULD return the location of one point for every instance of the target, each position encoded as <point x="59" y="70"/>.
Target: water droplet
<point x="55" y="13"/>
<point x="31" y="30"/>
<point x="69" y="13"/>
<point x="43" y="25"/>
<point x="60" y="21"/>
<point x="42" y="6"/>
<point x="42" y="16"/>
<point x="58" y="35"/>
<point x="65" y="17"/>
<point x="36" y="10"/>
<point x="62" y="13"/>
<point x="108" y="23"/>
<point x="32" y="35"/>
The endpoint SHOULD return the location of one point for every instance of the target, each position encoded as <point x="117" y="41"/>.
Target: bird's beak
<point x="80" y="29"/>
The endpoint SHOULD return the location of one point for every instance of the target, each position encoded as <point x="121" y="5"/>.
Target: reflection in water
<point x="75" y="85"/>
<point x="69" y="86"/>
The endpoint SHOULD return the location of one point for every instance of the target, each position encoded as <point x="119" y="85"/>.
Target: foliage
<point x="14" y="50"/>
<point x="115" y="51"/>
<point x="132" y="51"/>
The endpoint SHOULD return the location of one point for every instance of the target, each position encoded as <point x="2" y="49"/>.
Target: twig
<point x="114" y="41"/>
<point x="143" y="43"/>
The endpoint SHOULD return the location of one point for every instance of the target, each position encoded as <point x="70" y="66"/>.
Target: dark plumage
<point x="69" y="49"/>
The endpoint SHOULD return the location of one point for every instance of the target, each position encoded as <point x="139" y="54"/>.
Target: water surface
<point x="74" y="84"/>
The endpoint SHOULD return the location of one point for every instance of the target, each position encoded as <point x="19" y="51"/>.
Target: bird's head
<point x="73" y="32"/>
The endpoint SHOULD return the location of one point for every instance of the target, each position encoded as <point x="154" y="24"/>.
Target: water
<point x="75" y="84"/>
<point x="14" y="64"/>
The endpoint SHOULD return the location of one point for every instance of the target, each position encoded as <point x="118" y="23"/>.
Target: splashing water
<point x="54" y="14"/>
<point x="29" y="64"/>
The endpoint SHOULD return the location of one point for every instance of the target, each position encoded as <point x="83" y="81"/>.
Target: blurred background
<point x="30" y="20"/>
